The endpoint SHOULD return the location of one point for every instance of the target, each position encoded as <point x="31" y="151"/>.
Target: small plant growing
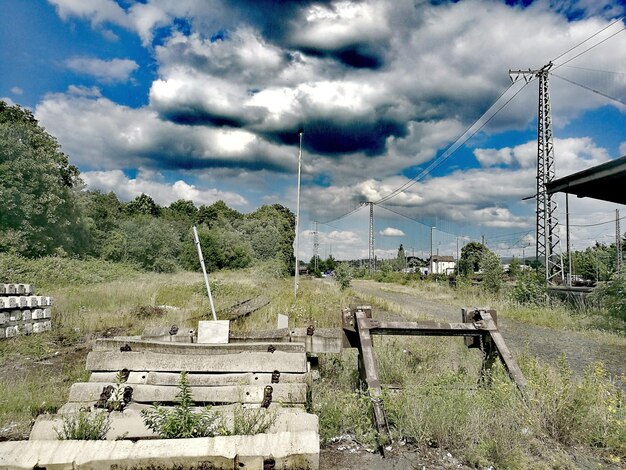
<point x="251" y="421"/>
<point x="343" y="275"/>
<point x="182" y="421"/>
<point x="84" y="426"/>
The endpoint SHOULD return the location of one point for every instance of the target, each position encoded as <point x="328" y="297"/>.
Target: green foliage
<point x="84" y="426"/>
<point x="529" y="290"/>
<point x="217" y="213"/>
<point x="400" y="259"/>
<point x="343" y="275"/>
<point x="493" y="275"/>
<point x="55" y="271"/>
<point x="40" y="215"/>
<point x="471" y="254"/>
<point x="183" y="208"/>
<point x="142" y="205"/>
<point x="222" y="248"/>
<point x="250" y="421"/>
<point x="596" y="263"/>
<point x="611" y="295"/>
<point x="148" y="242"/>
<point x="181" y="422"/>
<point x="515" y="268"/>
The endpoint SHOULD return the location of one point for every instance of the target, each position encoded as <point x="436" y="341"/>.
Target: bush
<point x="493" y="274"/>
<point x="529" y="290"/>
<point x="612" y="296"/>
<point x="84" y="426"/>
<point x="181" y="422"/>
<point x="343" y="275"/>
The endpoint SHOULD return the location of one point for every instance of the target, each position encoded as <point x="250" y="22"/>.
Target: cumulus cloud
<point x="392" y="232"/>
<point x="114" y="70"/>
<point x="17" y="90"/>
<point x="153" y="185"/>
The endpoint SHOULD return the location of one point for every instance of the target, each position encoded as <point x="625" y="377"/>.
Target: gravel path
<point x="581" y="349"/>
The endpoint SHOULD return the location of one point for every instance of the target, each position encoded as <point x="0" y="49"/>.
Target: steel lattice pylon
<point x="316" y="245"/>
<point x="548" y="241"/>
<point x="371" y="240"/>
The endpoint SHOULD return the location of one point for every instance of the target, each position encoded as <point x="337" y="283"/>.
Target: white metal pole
<point x="206" y="277"/>
<point x="297" y="273"/>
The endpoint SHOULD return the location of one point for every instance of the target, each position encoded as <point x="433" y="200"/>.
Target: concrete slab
<point x="286" y="393"/>
<point x="136" y="345"/>
<point x="206" y="380"/>
<point x="213" y="332"/>
<point x="299" y="450"/>
<point x="129" y="424"/>
<point x="283" y="321"/>
<point x="323" y="340"/>
<point x="158" y="362"/>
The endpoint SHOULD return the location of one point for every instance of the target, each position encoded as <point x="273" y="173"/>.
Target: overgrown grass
<point x="431" y="392"/>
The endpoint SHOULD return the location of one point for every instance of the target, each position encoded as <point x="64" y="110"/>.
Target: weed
<point x="181" y="422"/>
<point x="248" y="421"/>
<point x="84" y="426"/>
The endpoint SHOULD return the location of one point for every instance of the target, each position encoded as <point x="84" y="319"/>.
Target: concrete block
<point x="114" y="344"/>
<point x="10" y="331"/>
<point x="38" y="327"/>
<point x="4" y="318"/>
<point x="11" y="302"/>
<point x="47" y="313"/>
<point x="288" y="451"/>
<point x="3" y="289"/>
<point x="11" y="289"/>
<point x="129" y="423"/>
<point x="205" y="380"/>
<point x="213" y="332"/>
<point x="2" y="333"/>
<point x="282" y="393"/>
<point x="27" y="315"/>
<point x="47" y="325"/>
<point x="32" y="301"/>
<point x="223" y="363"/>
<point x="44" y="301"/>
<point x="23" y="301"/>
<point x="26" y="329"/>
<point x="16" y="315"/>
<point x="283" y="321"/>
<point x="37" y="314"/>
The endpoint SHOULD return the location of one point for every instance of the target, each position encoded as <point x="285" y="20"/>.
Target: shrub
<point x="492" y="272"/>
<point x="84" y="426"/>
<point x="529" y="290"/>
<point x="612" y="296"/>
<point x="343" y="275"/>
<point x="181" y="422"/>
<point x="251" y="421"/>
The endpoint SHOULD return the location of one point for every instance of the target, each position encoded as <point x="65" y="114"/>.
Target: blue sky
<point x="202" y="100"/>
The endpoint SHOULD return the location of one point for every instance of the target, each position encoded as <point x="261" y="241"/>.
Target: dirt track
<point x="547" y="344"/>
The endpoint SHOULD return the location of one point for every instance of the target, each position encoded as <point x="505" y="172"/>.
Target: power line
<point x="588" y="49"/>
<point x="612" y="221"/>
<point x="590" y="37"/>
<point x="448" y="153"/>
<point x="341" y="216"/>
<point x="589" y="88"/>
<point x="594" y="70"/>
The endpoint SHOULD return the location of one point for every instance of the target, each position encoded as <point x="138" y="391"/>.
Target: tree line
<point x="47" y="211"/>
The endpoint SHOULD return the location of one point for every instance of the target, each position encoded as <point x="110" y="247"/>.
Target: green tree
<point x="222" y="248"/>
<point x="400" y="259"/>
<point x="515" y="268"/>
<point x="40" y="214"/>
<point x="217" y="213"/>
<point x="102" y="214"/>
<point x="343" y="275"/>
<point x="493" y="275"/>
<point x="183" y="208"/>
<point x="142" y="205"/>
<point x="471" y="254"/>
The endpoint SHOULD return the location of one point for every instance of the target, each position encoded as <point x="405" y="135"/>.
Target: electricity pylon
<point x="548" y="240"/>
<point x="316" y="245"/>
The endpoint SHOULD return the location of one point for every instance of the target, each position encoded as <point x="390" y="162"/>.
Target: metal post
<point x="316" y="245"/>
<point x="206" y="277"/>
<point x="297" y="274"/>
<point x="569" y="248"/>
<point x="431" y="250"/>
<point x="618" y="244"/>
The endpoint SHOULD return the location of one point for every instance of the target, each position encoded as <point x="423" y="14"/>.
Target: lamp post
<point x="431" y="249"/>
<point x="297" y="273"/>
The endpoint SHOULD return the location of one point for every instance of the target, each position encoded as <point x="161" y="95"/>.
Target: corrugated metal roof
<point x="606" y="182"/>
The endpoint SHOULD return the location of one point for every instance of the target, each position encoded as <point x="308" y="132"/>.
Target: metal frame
<point x="478" y="328"/>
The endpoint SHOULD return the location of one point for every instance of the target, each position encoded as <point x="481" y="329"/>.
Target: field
<point x="570" y="419"/>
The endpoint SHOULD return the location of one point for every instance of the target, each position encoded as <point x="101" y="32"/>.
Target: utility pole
<point x="547" y="222"/>
<point x="618" y="244"/>
<point x="316" y="246"/>
<point x="297" y="274"/>
<point x="569" y="250"/>
<point x="431" y="250"/>
<point x="372" y="266"/>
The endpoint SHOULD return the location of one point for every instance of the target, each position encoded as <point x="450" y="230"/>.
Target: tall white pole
<point x="297" y="274"/>
<point x="206" y="277"/>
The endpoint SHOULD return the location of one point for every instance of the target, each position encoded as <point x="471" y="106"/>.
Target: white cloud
<point x="7" y="100"/>
<point x="392" y="232"/>
<point x="153" y="185"/>
<point x="17" y="90"/>
<point x="622" y="148"/>
<point x="114" y="70"/>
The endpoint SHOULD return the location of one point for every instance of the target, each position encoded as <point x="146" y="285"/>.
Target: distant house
<point x="442" y="264"/>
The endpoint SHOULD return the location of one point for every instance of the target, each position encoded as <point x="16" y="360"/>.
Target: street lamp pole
<point x="297" y="273"/>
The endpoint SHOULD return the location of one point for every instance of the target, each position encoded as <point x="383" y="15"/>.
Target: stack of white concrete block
<point x="22" y="312"/>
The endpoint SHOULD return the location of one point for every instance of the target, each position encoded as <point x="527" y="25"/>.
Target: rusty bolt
<point x="271" y="348"/>
<point x="125" y="348"/>
<point x="310" y="330"/>
<point x="275" y="377"/>
<point x="173" y="330"/>
<point x="267" y="396"/>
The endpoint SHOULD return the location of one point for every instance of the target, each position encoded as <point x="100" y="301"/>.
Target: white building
<point x="442" y="264"/>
